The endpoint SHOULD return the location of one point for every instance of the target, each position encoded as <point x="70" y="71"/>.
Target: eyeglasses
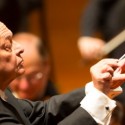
<point x="31" y="77"/>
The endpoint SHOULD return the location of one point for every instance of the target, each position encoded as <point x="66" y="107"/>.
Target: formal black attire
<point x="59" y="110"/>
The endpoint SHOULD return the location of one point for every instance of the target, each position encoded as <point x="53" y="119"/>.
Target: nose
<point x="18" y="48"/>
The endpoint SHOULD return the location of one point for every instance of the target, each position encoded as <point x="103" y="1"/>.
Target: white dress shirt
<point x="2" y="95"/>
<point x="99" y="105"/>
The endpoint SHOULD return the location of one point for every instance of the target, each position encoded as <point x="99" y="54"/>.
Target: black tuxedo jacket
<point x="59" y="110"/>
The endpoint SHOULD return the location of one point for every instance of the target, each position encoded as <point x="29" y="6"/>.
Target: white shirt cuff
<point x="97" y="104"/>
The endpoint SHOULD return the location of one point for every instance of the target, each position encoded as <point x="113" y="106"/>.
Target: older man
<point x="95" y="108"/>
<point x="36" y="79"/>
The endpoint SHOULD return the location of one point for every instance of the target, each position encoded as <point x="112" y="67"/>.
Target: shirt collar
<point x="2" y="95"/>
<point x="16" y="95"/>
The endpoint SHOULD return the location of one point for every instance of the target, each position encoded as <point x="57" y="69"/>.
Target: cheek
<point x="7" y="62"/>
<point x="12" y="63"/>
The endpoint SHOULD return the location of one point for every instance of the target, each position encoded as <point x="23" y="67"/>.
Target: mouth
<point x="20" y="65"/>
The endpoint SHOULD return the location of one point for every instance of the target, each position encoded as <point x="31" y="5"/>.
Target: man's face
<point x="11" y="63"/>
<point x="33" y="83"/>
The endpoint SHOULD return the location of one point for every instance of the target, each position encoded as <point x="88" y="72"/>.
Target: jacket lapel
<point x="14" y="103"/>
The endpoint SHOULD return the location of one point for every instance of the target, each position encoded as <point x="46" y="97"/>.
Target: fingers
<point x="104" y="69"/>
<point x="110" y="62"/>
<point x="118" y="75"/>
<point x="108" y="74"/>
<point x="105" y="65"/>
<point x="102" y="74"/>
<point x="117" y="80"/>
<point x="122" y="65"/>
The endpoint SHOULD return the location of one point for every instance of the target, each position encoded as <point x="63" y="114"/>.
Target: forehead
<point x="4" y="31"/>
